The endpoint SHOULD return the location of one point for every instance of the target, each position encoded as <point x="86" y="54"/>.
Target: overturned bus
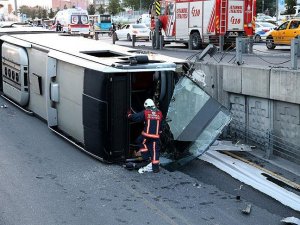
<point x="83" y="89"/>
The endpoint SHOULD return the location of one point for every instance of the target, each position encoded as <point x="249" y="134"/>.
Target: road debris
<point x="238" y="190"/>
<point x="229" y="146"/>
<point x="291" y="220"/>
<point x="247" y="210"/>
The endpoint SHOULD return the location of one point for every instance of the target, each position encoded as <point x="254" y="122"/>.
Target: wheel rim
<point x="195" y="41"/>
<point x="269" y="43"/>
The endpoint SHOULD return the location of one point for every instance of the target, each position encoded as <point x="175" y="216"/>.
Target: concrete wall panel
<point x="256" y="82"/>
<point x="287" y="130"/>
<point x="238" y="110"/>
<point x="232" y="79"/>
<point x="284" y="86"/>
<point x="260" y="118"/>
<point x="211" y="72"/>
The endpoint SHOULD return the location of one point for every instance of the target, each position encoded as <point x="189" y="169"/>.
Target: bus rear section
<point x="105" y="23"/>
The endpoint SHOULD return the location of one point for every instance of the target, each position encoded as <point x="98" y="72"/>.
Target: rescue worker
<point x="58" y="26"/>
<point x="148" y="141"/>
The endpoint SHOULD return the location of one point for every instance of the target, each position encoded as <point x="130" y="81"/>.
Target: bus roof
<point x="85" y="52"/>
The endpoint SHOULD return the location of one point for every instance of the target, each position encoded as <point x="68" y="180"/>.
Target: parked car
<point x="262" y="30"/>
<point x="284" y="34"/>
<point x="265" y="18"/>
<point x="141" y="31"/>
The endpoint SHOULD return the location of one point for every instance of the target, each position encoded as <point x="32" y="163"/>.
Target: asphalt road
<point x="45" y="180"/>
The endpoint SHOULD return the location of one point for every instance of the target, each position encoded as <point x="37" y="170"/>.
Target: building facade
<point x="70" y="3"/>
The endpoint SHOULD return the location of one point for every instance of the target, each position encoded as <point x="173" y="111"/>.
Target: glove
<point x="129" y="113"/>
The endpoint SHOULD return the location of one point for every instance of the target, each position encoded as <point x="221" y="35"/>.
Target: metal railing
<point x="265" y="140"/>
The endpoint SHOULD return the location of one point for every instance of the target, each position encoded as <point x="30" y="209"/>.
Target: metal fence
<point x="266" y="140"/>
<point x="128" y="16"/>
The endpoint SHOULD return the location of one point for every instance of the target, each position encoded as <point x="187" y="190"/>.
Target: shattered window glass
<point x="193" y="117"/>
<point x="210" y="133"/>
<point x="186" y="102"/>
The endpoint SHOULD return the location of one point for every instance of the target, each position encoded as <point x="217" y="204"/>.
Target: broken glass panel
<point x="186" y="102"/>
<point x="194" y="117"/>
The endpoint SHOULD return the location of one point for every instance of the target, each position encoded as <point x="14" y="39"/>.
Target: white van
<point x="73" y="21"/>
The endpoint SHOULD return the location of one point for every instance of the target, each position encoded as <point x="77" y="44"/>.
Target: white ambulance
<point x="73" y="21"/>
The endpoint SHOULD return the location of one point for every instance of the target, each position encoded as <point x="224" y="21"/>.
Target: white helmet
<point x="149" y="103"/>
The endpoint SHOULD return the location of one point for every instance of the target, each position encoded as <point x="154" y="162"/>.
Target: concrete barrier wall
<point x="265" y="104"/>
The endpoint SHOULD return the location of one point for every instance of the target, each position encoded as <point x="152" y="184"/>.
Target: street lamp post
<point x="16" y="8"/>
<point x="140" y="6"/>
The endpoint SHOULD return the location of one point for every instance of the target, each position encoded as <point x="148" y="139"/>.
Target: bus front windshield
<point x="105" y="19"/>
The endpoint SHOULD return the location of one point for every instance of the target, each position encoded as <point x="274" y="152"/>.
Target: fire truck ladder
<point x="223" y="16"/>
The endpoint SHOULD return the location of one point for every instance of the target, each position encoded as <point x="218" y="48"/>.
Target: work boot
<point x="155" y="168"/>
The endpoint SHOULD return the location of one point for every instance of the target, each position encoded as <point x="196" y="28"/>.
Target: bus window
<point x="105" y="19"/>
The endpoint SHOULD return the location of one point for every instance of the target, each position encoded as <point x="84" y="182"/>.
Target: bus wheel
<point x="195" y="40"/>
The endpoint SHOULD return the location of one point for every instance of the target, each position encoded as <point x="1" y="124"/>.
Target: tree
<point x="135" y="4"/>
<point x="51" y="13"/>
<point x="114" y="7"/>
<point x="289" y="5"/>
<point x="44" y="14"/>
<point x="262" y="5"/>
<point x="25" y="10"/>
<point x="101" y="9"/>
<point x="91" y="9"/>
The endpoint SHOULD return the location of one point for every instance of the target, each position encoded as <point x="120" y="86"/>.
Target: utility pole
<point x="140" y="6"/>
<point x="277" y="10"/>
<point x="16" y="8"/>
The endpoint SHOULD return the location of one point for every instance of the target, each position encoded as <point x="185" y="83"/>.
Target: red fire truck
<point x="204" y="21"/>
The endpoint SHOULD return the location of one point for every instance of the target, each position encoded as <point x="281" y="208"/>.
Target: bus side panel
<point x="37" y="81"/>
<point x="119" y="98"/>
<point x="95" y="109"/>
<point x="69" y="108"/>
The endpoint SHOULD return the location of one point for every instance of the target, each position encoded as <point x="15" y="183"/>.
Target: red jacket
<point x="152" y="121"/>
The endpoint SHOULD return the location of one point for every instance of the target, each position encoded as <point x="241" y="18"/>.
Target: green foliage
<point x="135" y="4"/>
<point x="101" y="9"/>
<point x="91" y="9"/>
<point x="289" y="4"/>
<point x="33" y="12"/>
<point x="114" y="7"/>
<point x="263" y="5"/>
<point x="44" y="14"/>
<point x="51" y="13"/>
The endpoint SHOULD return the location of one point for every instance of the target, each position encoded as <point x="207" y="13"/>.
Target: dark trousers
<point x="149" y="148"/>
